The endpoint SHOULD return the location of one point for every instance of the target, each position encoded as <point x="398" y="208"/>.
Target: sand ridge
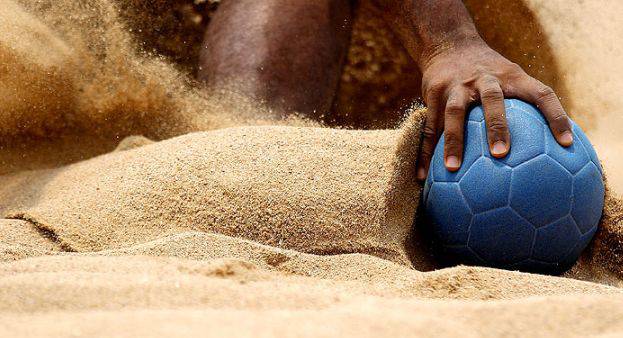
<point x="313" y="190"/>
<point x="96" y="295"/>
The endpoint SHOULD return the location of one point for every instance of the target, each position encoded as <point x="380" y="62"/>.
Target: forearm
<point x="428" y="27"/>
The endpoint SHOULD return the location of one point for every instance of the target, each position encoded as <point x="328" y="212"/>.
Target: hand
<point x="470" y="71"/>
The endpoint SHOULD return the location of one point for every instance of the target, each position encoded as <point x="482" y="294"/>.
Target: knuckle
<point x="434" y="89"/>
<point x="545" y="93"/>
<point x="488" y="80"/>
<point x="515" y="68"/>
<point x="491" y="93"/>
<point x="454" y="110"/>
<point x="429" y="132"/>
<point x="497" y="126"/>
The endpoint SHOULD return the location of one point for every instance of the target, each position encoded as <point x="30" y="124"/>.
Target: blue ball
<point x="534" y="210"/>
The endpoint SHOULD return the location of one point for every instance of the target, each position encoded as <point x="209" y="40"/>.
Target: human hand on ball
<point x="467" y="71"/>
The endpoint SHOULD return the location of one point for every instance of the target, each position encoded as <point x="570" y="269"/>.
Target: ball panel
<point x="472" y="151"/>
<point x="486" y="185"/>
<point x="462" y="254"/>
<point x="484" y="141"/>
<point x="588" y="197"/>
<point x="529" y="109"/>
<point x="554" y="241"/>
<point x="577" y="250"/>
<point x="501" y="237"/>
<point x="586" y="143"/>
<point x="476" y="114"/>
<point x="452" y="238"/>
<point x="543" y="198"/>
<point x="572" y="158"/>
<point x="446" y="208"/>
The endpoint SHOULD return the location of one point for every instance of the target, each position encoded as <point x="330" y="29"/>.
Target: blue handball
<point x="534" y="210"/>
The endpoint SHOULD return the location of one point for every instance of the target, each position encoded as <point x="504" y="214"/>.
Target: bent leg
<point x="286" y="53"/>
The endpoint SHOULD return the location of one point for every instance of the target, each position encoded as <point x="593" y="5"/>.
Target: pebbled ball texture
<point x="534" y="210"/>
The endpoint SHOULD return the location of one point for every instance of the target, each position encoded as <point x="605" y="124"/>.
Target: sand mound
<point x="166" y="286"/>
<point x="199" y="216"/>
<point x="312" y="190"/>
<point x="350" y="318"/>
<point x="130" y="295"/>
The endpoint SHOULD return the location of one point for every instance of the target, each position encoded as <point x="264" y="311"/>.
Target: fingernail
<point x="452" y="162"/>
<point x="421" y="174"/>
<point x="566" y="138"/>
<point x="499" y="148"/>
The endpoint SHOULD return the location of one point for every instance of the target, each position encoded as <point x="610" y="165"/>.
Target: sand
<point x="134" y="203"/>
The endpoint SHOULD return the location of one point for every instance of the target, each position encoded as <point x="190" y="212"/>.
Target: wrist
<point x="449" y="43"/>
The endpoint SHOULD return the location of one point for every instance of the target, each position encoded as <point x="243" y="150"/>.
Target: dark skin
<point x="285" y="53"/>
<point x="289" y="53"/>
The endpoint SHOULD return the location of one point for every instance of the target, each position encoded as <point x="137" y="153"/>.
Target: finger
<point x="454" y="128"/>
<point x="431" y="134"/>
<point x="427" y="149"/>
<point x="492" y="99"/>
<point x="533" y="90"/>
